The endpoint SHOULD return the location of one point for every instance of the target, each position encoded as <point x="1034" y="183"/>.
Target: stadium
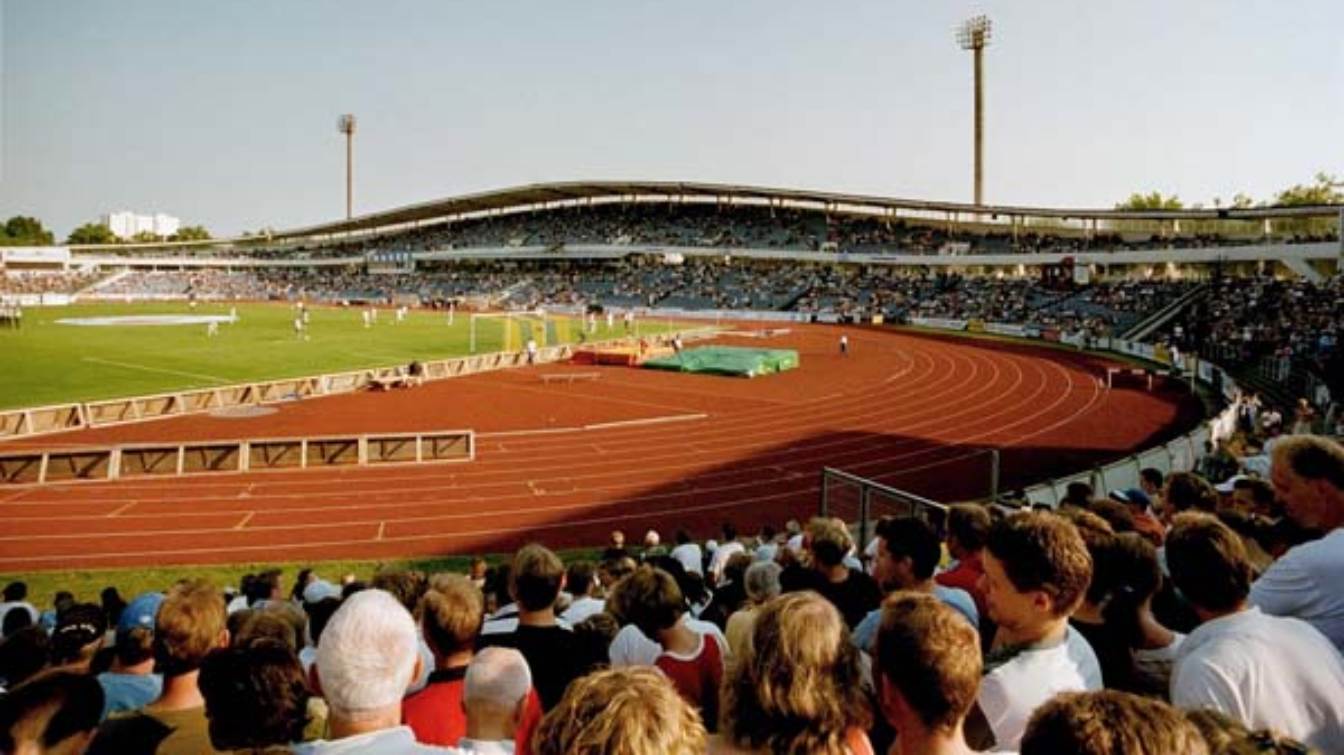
<point x="546" y="437"/>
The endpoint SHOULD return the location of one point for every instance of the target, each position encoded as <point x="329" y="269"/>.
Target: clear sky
<point x="224" y="113"/>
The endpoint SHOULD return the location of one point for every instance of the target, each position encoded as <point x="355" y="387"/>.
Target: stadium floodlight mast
<point x="346" y="125"/>
<point x="974" y="34"/>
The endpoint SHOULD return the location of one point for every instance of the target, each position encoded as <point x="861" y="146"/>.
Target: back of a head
<point x="497" y="677"/>
<point x="909" y="537"/>
<point x="761" y="581"/>
<point x="255" y="696"/>
<point x="830" y="541"/>
<point x="1187" y="491"/>
<point x="931" y="655"/>
<point x="536" y="577"/>
<point x="1227" y="736"/>
<point x="23" y="654"/>
<point x="16" y="591"/>
<point x="263" y="625"/>
<point x="650" y="599"/>
<point x="799" y="687"/>
<point x="969" y="523"/>
<point x="1043" y="552"/>
<point x="579" y="577"/>
<point x="78" y="632"/>
<point x="406" y="585"/>
<point x="189" y="624"/>
<point x="1208" y="562"/>
<point x="48" y="709"/>
<point x="367" y="655"/>
<point x="452" y="613"/>
<point x="624" y="711"/>
<point x="1106" y="722"/>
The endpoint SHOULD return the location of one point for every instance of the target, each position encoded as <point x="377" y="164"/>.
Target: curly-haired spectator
<point x="1037" y="568"/>
<point x="927" y="671"/>
<point x="256" y="697"/>
<point x="799" y="687"/>
<point x="623" y="711"/>
<point x="1106" y="722"/>
<point x="1256" y="668"/>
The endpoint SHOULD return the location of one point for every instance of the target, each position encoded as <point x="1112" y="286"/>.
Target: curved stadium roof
<point x="541" y="193"/>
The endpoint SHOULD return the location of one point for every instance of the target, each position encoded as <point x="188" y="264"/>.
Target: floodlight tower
<point x="346" y="125"/>
<point x="973" y="35"/>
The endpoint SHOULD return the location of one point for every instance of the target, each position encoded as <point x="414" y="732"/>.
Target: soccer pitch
<point x="47" y="362"/>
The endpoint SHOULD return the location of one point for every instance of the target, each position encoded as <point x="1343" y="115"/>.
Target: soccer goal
<point x="509" y="331"/>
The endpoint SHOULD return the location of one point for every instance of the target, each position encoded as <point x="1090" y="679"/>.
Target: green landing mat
<point x="727" y="360"/>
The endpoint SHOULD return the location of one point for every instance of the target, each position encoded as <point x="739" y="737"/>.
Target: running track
<point x="566" y="463"/>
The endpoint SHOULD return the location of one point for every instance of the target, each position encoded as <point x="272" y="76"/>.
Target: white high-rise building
<point x="126" y="224"/>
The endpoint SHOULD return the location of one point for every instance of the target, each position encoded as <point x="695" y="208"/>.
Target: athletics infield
<point x="564" y="463"/>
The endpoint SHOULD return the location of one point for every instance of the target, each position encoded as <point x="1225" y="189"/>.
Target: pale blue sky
<point x="223" y="113"/>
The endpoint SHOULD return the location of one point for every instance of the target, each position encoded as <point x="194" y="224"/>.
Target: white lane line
<point x="245" y="520"/>
<point x="647" y="421"/>
<point x="143" y="368"/>
<point x="118" y="510"/>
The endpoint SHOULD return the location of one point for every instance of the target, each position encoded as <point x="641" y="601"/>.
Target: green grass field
<point x="46" y="362"/>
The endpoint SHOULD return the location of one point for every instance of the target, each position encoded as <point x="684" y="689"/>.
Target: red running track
<point x="564" y="463"/>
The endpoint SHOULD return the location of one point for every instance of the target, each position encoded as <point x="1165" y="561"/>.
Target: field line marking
<point x="647" y="421"/>
<point x="245" y="520"/>
<point x="143" y="368"/>
<point x="120" y="509"/>
<point x="382" y="527"/>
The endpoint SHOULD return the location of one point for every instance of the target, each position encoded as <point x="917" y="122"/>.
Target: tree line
<point x="24" y="230"/>
<point x="1324" y="188"/>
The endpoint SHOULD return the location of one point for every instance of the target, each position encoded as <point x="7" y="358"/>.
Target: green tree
<point x="22" y="230"/>
<point x="145" y="237"/>
<point x="1325" y="189"/>
<point x="92" y="233"/>
<point x="1152" y="201"/>
<point x="191" y="233"/>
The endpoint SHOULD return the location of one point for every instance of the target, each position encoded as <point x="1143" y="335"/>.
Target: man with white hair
<point x="368" y="656"/>
<point x="495" y="697"/>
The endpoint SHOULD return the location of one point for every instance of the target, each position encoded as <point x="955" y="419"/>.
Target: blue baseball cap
<point x="140" y="612"/>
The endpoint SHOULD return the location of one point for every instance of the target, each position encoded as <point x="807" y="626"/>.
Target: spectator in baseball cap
<point x="78" y="636"/>
<point x="131" y="683"/>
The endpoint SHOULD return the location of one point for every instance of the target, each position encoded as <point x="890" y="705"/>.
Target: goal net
<point x="510" y="331"/>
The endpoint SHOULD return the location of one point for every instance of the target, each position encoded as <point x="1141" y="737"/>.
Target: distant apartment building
<point x="124" y="225"/>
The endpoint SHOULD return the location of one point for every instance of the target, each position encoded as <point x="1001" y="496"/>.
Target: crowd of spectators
<point x="1179" y="618"/>
<point x="736" y="226"/>
<point x="44" y="282"/>
<point x="847" y="293"/>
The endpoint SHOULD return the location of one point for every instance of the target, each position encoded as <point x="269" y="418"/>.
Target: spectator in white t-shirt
<point x="1264" y="671"/>
<point x="1308" y="477"/>
<point x="726" y="550"/>
<point x="581" y="579"/>
<point x="688" y="553"/>
<point x="1037" y="568"/>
